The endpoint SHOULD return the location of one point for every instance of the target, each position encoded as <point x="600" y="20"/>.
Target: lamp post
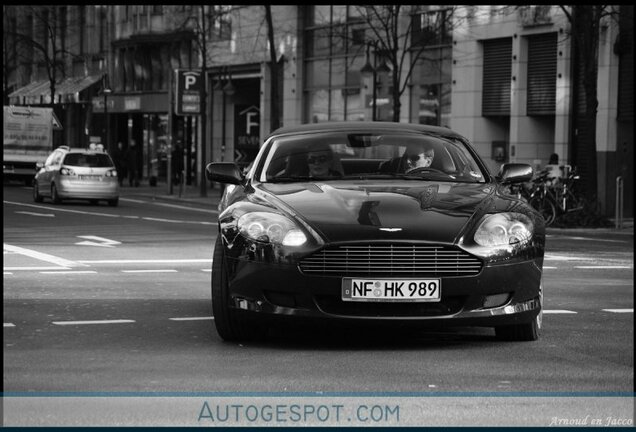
<point x="374" y="69"/>
<point x="106" y="91"/>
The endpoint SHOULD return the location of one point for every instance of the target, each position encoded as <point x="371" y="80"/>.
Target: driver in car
<point x="415" y="156"/>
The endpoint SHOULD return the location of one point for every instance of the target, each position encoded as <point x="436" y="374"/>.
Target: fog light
<point x="496" y="300"/>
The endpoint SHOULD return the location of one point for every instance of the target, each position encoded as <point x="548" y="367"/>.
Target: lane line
<point x="558" y="311"/>
<point x="549" y="268"/>
<point x="192" y="319"/>
<point x="150" y="271"/>
<point x="619" y="310"/>
<point x="36" y="214"/>
<point x="8" y="325"/>
<point x="177" y="221"/>
<point x="121" y="321"/>
<point x="132" y="200"/>
<point x="63" y="210"/>
<point x="604" y="267"/>
<point x="36" y="268"/>
<point x="206" y="270"/>
<point x="186" y="208"/>
<point x="42" y="256"/>
<point x="146" y="261"/>
<point x="70" y="272"/>
<point x="7" y="273"/>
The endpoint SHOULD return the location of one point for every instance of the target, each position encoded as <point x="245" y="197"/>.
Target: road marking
<point x="132" y="200"/>
<point x="159" y="261"/>
<point x="150" y="271"/>
<point x="207" y="270"/>
<point x="619" y="310"/>
<point x="99" y="241"/>
<point x="558" y="311"/>
<point x="121" y="321"/>
<point x="63" y="210"/>
<point x="9" y="325"/>
<point x="7" y="273"/>
<point x="587" y="238"/>
<point x="186" y="208"/>
<point x="177" y="221"/>
<point x="70" y="272"/>
<point x="36" y="268"/>
<point x="549" y="268"/>
<point x="36" y="214"/>
<point x="191" y="318"/>
<point x="42" y="256"/>
<point x="567" y="258"/>
<point x="604" y="267"/>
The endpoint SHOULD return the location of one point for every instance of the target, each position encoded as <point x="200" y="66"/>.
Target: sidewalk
<point x="192" y="194"/>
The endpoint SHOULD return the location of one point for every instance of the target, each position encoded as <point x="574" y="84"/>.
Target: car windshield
<point x="342" y="155"/>
<point x="91" y="160"/>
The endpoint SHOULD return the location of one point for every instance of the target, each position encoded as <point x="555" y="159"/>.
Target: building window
<point x="542" y="71"/>
<point x="432" y="28"/>
<point x="221" y="23"/>
<point x="335" y="54"/>
<point x="497" y="75"/>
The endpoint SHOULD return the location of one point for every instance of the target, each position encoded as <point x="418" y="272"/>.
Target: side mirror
<point x="515" y="173"/>
<point x="224" y="172"/>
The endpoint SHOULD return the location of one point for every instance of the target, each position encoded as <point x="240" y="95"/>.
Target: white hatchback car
<point x="77" y="173"/>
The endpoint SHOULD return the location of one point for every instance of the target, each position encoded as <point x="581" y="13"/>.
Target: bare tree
<point x="274" y="97"/>
<point x="402" y="39"/>
<point x="42" y="43"/>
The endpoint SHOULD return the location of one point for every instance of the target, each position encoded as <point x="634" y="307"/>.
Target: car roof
<point x="365" y="126"/>
<point x="79" y="150"/>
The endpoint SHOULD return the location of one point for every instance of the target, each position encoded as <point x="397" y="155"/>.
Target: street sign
<point x="188" y="92"/>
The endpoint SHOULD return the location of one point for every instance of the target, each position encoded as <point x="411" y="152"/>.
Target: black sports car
<point x="375" y="221"/>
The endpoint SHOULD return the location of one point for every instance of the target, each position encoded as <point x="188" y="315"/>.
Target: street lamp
<point x="106" y="91"/>
<point x="369" y="69"/>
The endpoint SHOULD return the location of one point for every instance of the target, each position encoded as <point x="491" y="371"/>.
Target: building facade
<point x="505" y="77"/>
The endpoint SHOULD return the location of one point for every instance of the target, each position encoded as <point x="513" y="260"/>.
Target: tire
<point x="526" y="332"/>
<point x="36" y="193"/>
<point x="54" y="195"/>
<point x="546" y="208"/>
<point x="230" y="324"/>
<point x="113" y="202"/>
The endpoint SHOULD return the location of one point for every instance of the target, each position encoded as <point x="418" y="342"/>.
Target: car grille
<point x="391" y="260"/>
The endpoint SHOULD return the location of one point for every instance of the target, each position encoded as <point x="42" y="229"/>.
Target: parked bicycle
<point x="553" y="198"/>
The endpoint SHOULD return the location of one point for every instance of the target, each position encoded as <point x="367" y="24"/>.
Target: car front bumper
<point x="501" y="294"/>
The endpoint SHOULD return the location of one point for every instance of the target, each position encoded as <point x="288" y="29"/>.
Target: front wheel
<point x="523" y="332"/>
<point x="36" y="193"/>
<point x="230" y="324"/>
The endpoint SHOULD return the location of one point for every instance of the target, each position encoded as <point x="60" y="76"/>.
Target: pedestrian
<point x="120" y="162"/>
<point x="177" y="164"/>
<point x="555" y="173"/>
<point x="132" y="158"/>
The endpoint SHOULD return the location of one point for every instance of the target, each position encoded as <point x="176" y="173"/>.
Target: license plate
<point x="391" y="290"/>
<point x="89" y="177"/>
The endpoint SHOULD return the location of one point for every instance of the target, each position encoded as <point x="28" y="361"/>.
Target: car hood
<point x="429" y="211"/>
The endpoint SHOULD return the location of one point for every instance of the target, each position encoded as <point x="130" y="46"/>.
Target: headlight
<point x="504" y="229"/>
<point x="271" y="228"/>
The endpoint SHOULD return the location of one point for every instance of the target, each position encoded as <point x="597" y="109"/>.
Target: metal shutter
<point x="542" y="75"/>
<point x="497" y="76"/>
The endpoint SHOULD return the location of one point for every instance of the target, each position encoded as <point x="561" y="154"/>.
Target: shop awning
<point x="66" y="91"/>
